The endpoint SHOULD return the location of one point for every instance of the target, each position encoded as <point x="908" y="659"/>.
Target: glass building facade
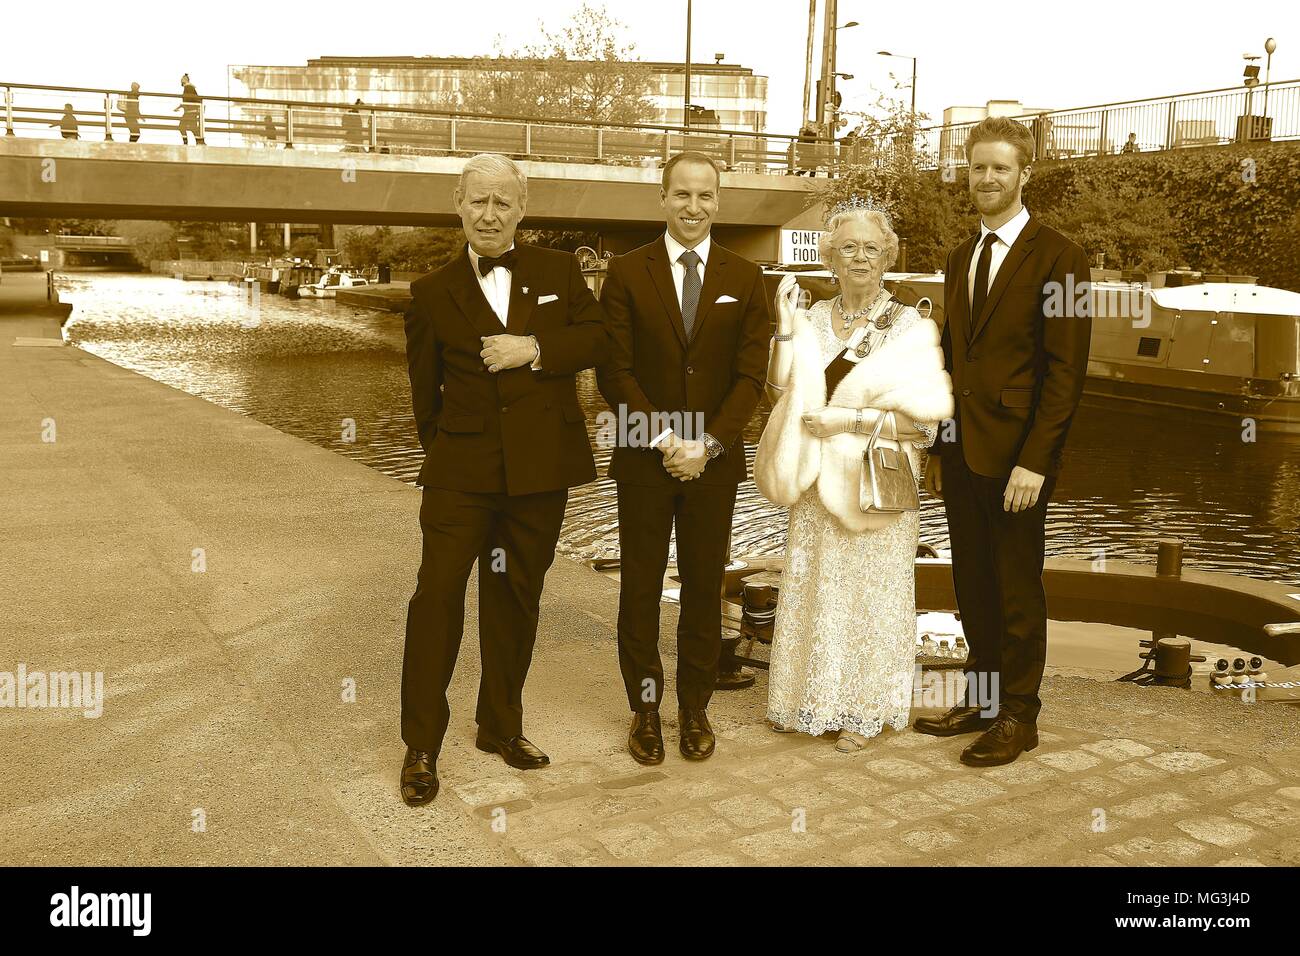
<point x="732" y="96"/>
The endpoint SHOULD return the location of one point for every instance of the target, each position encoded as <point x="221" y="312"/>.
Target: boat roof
<point x="1228" y="297"/>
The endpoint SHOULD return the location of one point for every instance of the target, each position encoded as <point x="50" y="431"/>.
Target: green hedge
<point x="1231" y="209"/>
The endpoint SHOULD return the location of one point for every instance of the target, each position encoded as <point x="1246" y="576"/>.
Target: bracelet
<point x="857" y="421"/>
<point x="783" y="338"/>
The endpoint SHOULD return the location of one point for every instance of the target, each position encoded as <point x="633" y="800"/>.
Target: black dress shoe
<point x="731" y="676"/>
<point x="419" y="777"/>
<point x="645" y="741"/>
<point x="958" y="720"/>
<point x="519" y="752"/>
<point x="697" y="741"/>
<point x="1001" y="743"/>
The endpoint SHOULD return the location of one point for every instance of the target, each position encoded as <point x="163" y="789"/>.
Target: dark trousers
<point x="646" y="515"/>
<point x="997" y="567"/>
<point x="513" y="539"/>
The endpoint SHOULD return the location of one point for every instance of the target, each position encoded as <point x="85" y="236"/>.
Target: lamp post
<point x="686" y="113"/>
<point x="807" y="72"/>
<point x="904" y="56"/>
<point x="1269" y="46"/>
<point x="828" y="109"/>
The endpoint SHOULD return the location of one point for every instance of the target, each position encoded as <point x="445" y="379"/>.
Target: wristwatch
<point x="712" y="447"/>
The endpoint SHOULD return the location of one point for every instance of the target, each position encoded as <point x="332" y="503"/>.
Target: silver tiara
<point x="857" y="202"/>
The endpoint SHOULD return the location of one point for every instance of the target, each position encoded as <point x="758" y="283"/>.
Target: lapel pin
<point x="525" y="290"/>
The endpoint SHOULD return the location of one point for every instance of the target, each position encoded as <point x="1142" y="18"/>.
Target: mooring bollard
<point x="1169" y="558"/>
<point x="1169" y="564"/>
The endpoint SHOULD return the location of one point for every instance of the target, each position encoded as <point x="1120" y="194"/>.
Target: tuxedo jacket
<point x="655" y="373"/>
<point x="519" y="431"/>
<point x="1018" y="367"/>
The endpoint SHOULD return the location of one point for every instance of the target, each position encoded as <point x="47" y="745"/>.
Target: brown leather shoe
<point x="697" y="740"/>
<point x="645" y="740"/>
<point x="1001" y="743"/>
<point x="519" y="752"/>
<point x="419" y="777"/>
<point x="958" y="720"/>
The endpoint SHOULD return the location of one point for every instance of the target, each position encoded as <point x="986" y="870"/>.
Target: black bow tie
<point x="487" y="263"/>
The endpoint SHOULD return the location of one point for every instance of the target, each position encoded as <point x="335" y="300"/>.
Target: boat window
<point x="331" y="280"/>
<point x="1149" y="347"/>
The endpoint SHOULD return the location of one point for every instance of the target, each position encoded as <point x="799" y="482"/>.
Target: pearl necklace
<point x="848" y="318"/>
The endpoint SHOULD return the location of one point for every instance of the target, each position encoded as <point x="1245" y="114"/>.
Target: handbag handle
<point x="875" y="432"/>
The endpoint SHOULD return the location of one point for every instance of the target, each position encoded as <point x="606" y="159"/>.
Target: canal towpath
<point x="243" y="592"/>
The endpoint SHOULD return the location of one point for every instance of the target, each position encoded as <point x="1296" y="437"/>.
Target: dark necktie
<point x="982" y="278"/>
<point x="690" y="288"/>
<point x="487" y="263"/>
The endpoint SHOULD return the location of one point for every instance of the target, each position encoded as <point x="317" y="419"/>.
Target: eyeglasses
<point x="850" y="250"/>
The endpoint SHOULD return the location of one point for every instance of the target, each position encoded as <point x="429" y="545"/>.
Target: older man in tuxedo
<point x="689" y="323"/>
<point x="494" y="340"/>
<point x="1017" y="299"/>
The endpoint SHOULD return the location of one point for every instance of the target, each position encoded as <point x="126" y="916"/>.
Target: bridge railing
<point x="1209" y="118"/>
<point x="91" y="114"/>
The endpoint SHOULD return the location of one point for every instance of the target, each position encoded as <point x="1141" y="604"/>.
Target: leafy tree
<point x="886" y="166"/>
<point x="582" y="71"/>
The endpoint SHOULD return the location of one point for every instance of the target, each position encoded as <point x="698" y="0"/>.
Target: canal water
<point x="310" y="367"/>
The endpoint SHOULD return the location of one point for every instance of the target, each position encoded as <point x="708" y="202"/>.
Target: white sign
<point x="799" y="247"/>
<point x="45" y="255"/>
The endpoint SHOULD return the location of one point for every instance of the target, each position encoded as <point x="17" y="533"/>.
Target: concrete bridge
<point x="279" y="161"/>
<point x="112" y="180"/>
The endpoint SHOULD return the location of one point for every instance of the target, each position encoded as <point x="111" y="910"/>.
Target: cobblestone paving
<point x="1182" y="785"/>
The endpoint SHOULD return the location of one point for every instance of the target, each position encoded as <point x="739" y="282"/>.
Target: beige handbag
<point x="888" y="485"/>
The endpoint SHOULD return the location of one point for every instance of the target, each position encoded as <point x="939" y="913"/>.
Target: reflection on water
<point x="306" y="367"/>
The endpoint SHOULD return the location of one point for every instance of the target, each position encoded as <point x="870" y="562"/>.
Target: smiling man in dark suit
<point x="1017" y="299"/>
<point x="689" y="323"/>
<point x="493" y="342"/>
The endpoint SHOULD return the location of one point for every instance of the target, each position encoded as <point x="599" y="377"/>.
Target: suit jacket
<point x="1018" y="368"/>
<point x="518" y="431"/>
<point x="656" y="375"/>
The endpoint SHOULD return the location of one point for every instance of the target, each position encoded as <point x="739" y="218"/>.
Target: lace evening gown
<point x="844" y="644"/>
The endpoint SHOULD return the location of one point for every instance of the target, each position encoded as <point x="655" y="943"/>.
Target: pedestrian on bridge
<point x="129" y="107"/>
<point x="190" y="107"/>
<point x="68" y="123"/>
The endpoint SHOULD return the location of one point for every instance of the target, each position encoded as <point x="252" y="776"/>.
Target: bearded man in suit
<point x="494" y="340"/>
<point x="689" y="322"/>
<point x="1018" y="303"/>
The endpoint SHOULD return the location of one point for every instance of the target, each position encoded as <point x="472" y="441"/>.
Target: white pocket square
<point x="725" y="298"/>
<point x="542" y="300"/>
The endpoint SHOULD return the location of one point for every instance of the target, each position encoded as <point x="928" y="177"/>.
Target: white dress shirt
<point x="495" y="285"/>
<point x="496" y="289"/>
<point x="675" y="250"/>
<point x="1007" y="233"/>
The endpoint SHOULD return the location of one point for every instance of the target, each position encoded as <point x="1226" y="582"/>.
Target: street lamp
<point x="830" y="49"/>
<point x="1269" y="46"/>
<point x="686" y="111"/>
<point x="904" y="56"/>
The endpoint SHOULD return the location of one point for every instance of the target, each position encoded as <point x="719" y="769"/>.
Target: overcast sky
<point x="1043" y="54"/>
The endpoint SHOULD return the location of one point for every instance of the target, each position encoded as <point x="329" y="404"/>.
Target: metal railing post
<point x="668" y="139"/>
<point x="731" y="161"/>
<point x="1101" y="136"/>
<point x="374" y="132"/>
<point x="108" y="117"/>
<point x="203" y="121"/>
<point x="600" y="143"/>
<point x="288" y="127"/>
<point x="528" y="139"/>
<point x="453" y="134"/>
<point x="9" y="111"/>
<point x="1169" y="127"/>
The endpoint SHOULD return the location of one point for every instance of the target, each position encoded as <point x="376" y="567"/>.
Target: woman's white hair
<point x="859" y="214"/>
<point x="493" y="164"/>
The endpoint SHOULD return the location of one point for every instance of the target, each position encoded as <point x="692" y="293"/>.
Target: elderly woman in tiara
<point x="844" y="644"/>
